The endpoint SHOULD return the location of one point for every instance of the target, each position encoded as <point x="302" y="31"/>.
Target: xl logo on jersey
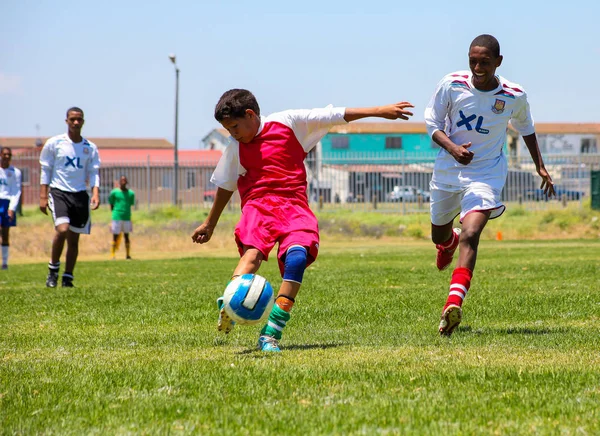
<point x="466" y="121"/>
<point x="74" y="162"/>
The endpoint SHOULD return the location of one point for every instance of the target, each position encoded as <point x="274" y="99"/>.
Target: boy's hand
<point x="395" y="111"/>
<point x="547" y="185"/>
<point x="44" y="205"/>
<point x="203" y="233"/>
<point x="95" y="202"/>
<point x="461" y="154"/>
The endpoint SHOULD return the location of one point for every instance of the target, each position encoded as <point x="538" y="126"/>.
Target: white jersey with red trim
<point x="467" y="114"/>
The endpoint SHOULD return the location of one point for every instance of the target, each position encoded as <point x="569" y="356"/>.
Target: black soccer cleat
<point x="52" y="279"/>
<point x="67" y="282"/>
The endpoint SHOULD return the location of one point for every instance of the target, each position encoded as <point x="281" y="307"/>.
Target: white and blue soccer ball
<point x="248" y="299"/>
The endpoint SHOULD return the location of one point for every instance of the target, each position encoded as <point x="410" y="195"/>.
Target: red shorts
<point x="273" y="219"/>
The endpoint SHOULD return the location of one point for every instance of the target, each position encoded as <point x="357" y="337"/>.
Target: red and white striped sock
<point x="459" y="286"/>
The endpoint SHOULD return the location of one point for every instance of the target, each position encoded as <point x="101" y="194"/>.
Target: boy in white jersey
<point x="69" y="162"/>
<point x="468" y="117"/>
<point x="264" y="161"/>
<point x="10" y="193"/>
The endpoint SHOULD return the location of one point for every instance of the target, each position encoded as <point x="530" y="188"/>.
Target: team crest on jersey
<point x="498" y="107"/>
<point x="86" y="150"/>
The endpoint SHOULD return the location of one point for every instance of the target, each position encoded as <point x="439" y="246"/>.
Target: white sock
<point x="5" y="255"/>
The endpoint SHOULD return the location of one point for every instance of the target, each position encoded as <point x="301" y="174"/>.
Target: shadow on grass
<point x="535" y="331"/>
<point x="298" y="347"/>
<point x="531" y="330"/>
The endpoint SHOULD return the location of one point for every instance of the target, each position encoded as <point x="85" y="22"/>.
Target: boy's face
<point x="75" y="121"/>
<point x="483" y="64"/>
<point x="6" y="156"/>
<point x="243" y="129"/>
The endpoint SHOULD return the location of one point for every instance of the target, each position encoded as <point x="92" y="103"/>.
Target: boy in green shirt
<point x="121" y="199"/>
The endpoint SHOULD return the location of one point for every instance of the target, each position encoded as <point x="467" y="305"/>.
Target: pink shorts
<point x="272" y="219"/>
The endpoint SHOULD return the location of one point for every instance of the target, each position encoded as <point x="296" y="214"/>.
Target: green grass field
<point x="134" y="348"/>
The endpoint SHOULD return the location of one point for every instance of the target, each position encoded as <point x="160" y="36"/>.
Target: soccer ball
<point x="248" y="299"/>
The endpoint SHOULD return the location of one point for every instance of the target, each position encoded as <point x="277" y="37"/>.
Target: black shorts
<point x="72" y="208"/>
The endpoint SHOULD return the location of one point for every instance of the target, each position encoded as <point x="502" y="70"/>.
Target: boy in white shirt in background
<point x="68" y="162"/>
<point x="10" y="193"/>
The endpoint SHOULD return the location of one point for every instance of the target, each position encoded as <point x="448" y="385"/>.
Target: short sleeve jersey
<point x="10" y="186"/>
<point x="68" y="166"/>
<point x="273" y="162"/>
<point x="121" y="201"/>
<point x="467" y="114"/>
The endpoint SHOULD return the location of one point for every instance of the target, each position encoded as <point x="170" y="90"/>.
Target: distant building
<point x="217" y="139"/>
<point x="364" y="161"/>
<point x="147" y="163"/>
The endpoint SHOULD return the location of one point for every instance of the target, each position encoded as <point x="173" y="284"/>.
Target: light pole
<point x="176" y="156"/>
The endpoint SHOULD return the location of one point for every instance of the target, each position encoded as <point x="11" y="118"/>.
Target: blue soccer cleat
<point x="225" y="323"/>
<point x="268" y="344"/>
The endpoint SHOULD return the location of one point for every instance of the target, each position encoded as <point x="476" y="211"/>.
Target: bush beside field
<point x="165" y="232"/>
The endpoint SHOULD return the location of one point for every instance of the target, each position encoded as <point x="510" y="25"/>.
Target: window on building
<point x="167" y="179"/>
<point x="393" y="142"/>
<point x="588" y="145"/>
<point x="25" y="176"/>
<point x="340" y="142"/>
<point x="191" y="179"/>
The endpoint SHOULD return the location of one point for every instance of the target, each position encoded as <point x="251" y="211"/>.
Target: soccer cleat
<point x="268" y="344"/>
<point x="52" y="279"/>
<point x="4" y="266"/>
<point x="450" y="319"/>
<point x="67" y="282"/>
<point x="445" y="255"/>
<point x="128" y="258"/>
<point x="225" y="323"/>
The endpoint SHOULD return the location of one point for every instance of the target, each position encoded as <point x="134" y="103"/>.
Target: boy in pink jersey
<point x="467" y="117"/>
<point x="265" y="162"/>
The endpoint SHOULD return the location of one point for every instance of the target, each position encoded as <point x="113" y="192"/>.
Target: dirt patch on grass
<point x="32" y="243"/>
<point x="166" y="238"/>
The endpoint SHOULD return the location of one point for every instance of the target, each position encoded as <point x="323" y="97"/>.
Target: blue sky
<point x="111" y="58"/>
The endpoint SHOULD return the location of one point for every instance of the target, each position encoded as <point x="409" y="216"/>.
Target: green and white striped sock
<point x="277" y="321"/>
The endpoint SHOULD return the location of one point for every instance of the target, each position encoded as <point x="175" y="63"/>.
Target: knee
<point x="253" y="257"/>
<point x="296" y="258"/>
<point x="61" y="231"/>
<point x="470" y="237"/>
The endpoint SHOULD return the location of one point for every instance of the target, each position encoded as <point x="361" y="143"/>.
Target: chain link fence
<point x="357" y="181"/>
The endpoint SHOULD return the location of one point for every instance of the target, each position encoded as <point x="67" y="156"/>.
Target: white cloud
<point x="10" y="84"/>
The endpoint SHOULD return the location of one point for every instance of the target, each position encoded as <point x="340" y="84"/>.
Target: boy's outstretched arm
<point x="390" y="112"/>
<point x="204" y="231"/>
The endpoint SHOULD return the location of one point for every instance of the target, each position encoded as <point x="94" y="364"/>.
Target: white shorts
<point x="448" y="201"/>
<point x="121" y="227"/>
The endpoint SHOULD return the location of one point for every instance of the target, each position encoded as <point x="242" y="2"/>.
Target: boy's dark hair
<point x="74" y="109"/>
<point x="6" y="148"/>
<point x="233" y="104"/>
<point x="487" y="41"/>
